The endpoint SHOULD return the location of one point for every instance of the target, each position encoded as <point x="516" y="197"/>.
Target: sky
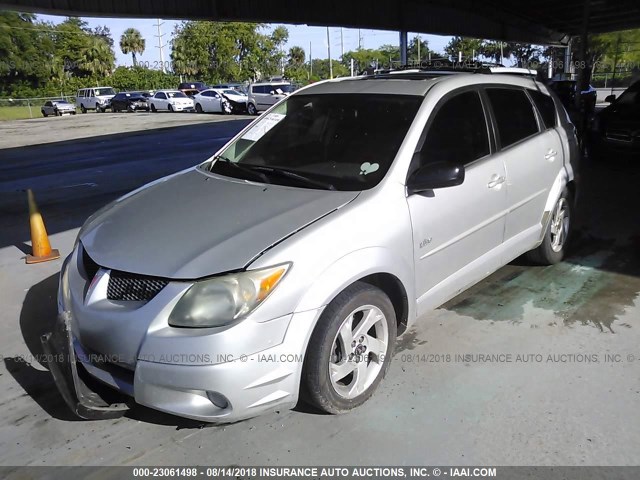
<point x="300" y="35"/>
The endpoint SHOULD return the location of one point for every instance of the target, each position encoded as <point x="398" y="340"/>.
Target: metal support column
<point x="404" y="46"/>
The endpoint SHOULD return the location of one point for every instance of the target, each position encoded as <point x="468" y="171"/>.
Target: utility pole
<point x="352" y="66"/>
<point x="329" y="54"/>
<point x="341" y="44"/>
<point x="359" y="39"/>
<point x="310" y="62"/>
<point x="160" y="45"/>
<point x="418" y="48"/>
<point x="501" y="54"/>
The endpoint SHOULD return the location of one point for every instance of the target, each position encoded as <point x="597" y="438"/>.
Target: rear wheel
<point x="251" y="108"/>
<point x="554" y="245"/>
<point x="350" y="349"/>
<point x="199" y="108"/>
<point x="153" y="108"/>
<point x="83" y="108"/>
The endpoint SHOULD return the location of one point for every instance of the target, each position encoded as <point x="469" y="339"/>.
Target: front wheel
<point x="170" y="108"/>
<point x="153" y="108"/>
<point x="226" y="108"/>
<point x="554" y="245"/>
<point x="251" y="108"/>
<point x="350" y="349"/>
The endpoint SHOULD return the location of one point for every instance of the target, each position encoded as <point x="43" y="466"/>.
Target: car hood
<point x="193" y="224"/>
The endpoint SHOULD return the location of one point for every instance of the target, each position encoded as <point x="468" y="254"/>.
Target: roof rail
<point x="433" y="66"/>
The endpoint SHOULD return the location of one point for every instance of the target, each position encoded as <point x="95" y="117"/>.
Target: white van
<point x="264" y="95"/>
<point x="95" y="98"/>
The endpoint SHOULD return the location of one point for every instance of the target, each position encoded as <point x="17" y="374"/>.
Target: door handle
<point x="495" y="181"/>
<point x="550" y="155"/>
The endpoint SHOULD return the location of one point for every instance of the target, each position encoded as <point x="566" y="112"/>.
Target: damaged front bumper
<point x="86" y="397"/>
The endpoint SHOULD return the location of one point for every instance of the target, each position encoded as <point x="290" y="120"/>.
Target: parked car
<point x="240" y="87"/>
<point x="294" y="256"/>
<point x="192" y="88"/>
<point x="95" y="98"/>
<point x="262" y="96"/>
<point x="617" y="126"/>
<point x="57" y="107"/>
<point x="236" y="98"/>
<point x="171" y="100"/>
<point x="211" y="101"/>
<point x="130" y="102"/>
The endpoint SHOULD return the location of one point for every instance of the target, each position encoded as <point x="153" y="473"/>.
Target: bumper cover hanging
<point x="87" y="399"/>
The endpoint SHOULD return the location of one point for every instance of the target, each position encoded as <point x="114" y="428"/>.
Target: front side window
<point x="514" y="114"/>
<point x="330" y="141"/>
<point x="176" y="95"/>
<point x="161" y="95"/>
<point x="458" y="132"/>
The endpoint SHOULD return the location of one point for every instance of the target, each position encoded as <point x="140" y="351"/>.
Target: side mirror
<point x="610" y="98"/>
<point x="272" y="92"/>
<point x="435" y="175"/>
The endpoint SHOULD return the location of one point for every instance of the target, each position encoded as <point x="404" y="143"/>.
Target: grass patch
<point x="18" y="113"/>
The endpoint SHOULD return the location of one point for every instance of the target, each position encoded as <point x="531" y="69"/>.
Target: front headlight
<point x="225" y="299"/>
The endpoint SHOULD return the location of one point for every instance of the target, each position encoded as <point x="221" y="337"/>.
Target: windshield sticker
<point x="366" y="168"/>
<point x="263" y="126"/>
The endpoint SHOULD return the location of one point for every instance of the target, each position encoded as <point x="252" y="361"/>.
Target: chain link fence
<point x="22" y="108"/>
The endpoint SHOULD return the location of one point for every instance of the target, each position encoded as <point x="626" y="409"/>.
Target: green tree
<point x="97" y="58"/>
<point x="132" y="42"/>
<point x="469" y="47"/>
<point x="225" y="51"/>
<point x="26" y="52"/>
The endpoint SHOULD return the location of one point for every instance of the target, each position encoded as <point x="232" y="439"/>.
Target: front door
<point x="457" y="230"/>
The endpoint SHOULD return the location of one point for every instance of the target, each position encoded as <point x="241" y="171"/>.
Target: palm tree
<point x="97" y="57"/>
<point x="296" y="56"/>
<point x="132" y="42"/>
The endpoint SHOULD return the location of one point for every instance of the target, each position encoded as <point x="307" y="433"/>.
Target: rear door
<point x="456" y="228"/>
<point x="533" y="157"/>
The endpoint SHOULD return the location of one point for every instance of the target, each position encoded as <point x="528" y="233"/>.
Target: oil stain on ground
<point x="593" y="286"/>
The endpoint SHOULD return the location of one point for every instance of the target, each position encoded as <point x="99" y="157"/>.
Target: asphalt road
<point x="563" y="388"/>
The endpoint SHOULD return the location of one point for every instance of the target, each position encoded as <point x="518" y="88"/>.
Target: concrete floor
<point x="568" y="396"/>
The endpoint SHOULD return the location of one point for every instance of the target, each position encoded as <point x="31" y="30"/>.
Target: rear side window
<point x="458" y="132"/>
<point x="546" y="107"/>
<point x="515" y="117"/>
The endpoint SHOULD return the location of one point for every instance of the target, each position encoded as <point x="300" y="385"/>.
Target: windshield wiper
<point x="241" y="167"/>
<point x="294" y="176"/>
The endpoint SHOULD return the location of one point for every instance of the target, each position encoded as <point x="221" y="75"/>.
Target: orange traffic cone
<point x="41" y="248"/>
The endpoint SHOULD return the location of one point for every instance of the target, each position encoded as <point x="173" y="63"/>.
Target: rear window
<point x="546" y="107"/>
<point x="514" y="114"/>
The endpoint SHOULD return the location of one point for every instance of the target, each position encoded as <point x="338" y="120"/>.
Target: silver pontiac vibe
<point x="285" y="266"/>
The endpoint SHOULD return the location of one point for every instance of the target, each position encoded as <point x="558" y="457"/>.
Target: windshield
<point x="231" y="92"/>
<point x="105" y="91"/>
<point x="346" y="141"/>
<point x="176" y="95"/>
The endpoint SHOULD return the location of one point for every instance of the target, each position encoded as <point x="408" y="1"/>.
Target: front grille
<point x="132" y="287"/>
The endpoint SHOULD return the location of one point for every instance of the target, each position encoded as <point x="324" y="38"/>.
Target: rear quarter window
<point x="514" y="114"/>
<point x="546" y="106"/>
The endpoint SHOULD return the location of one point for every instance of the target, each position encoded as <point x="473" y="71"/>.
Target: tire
<point x="558" y="234"/>
<point x="251" y="109"/>
<point x="57" y="113"/>
<point x="83" y="109"/>
<point x="199" y="108"/>
<point x="114" y="109"/>
<point x="153" y="108"/>
<point x="44" y="114"/>
<point x="98" y="109"/>
<point x="170" y="108"/>
<point x="226" y="108"/>
<point x="354" y="381"/>
<point x="73" y="113"/>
